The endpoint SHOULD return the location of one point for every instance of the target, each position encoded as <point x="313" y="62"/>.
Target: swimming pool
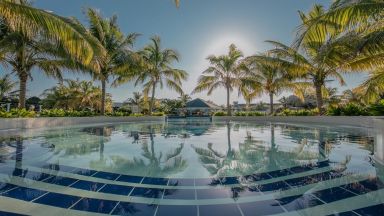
<point x="191" y="168"/>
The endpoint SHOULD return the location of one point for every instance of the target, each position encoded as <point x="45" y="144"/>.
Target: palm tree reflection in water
<point x="258" y="156"/>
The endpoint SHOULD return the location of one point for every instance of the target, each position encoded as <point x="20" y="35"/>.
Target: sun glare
<point x="219" y="45"/>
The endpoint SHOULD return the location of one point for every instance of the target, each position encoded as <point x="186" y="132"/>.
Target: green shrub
<point x="302" y="112"/>
<point x="334" y="111"/>
<point x="66" y="113"/>
<point x="377" y="109"/>
<point x="17" y="113"/>
<point x="220" y="113"/>
<point x="241" y="114"/>
<point x="158" y="114"/>
<point x="116" y="114"/>
<point x="350" y="109"/>
<point x="52" y="113"/>
<point x="353" y="109"/>
<point x="249" y="114"/>
<point x="137" y="115"/>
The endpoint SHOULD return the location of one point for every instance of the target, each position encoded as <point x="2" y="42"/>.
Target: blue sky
<point x="197" y="29"/>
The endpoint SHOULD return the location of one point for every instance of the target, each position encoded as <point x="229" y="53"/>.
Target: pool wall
<point x="34" y="123"/>
<point x="358" y="121"/>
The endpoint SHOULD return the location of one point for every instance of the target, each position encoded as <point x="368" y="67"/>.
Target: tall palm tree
<point x="365" y="18"/>
<point x="318" y="60"/>
<point x="158" y="69"/>
<point x="225" y="71"/>
<point x="119" y="57"/>
<point x="7" y="86"/>
<point x="23" y="54"/>
<point x="32" y="22"/>
<point x="269" y="76"/>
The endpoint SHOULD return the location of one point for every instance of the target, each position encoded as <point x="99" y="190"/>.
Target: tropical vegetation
<point x="330" y="43"/>
<point x="118" y="59"/>
<point x="157" y="70"/>
<point x="226" y="71"/>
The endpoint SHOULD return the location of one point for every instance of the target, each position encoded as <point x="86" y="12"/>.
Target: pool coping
<point x="355" y="121"/>
<point x="48" y="122"/>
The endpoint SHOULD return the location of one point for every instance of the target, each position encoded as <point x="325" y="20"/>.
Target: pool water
<point x="193" y="168"/>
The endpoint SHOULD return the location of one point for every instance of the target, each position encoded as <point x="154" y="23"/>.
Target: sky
<point x="196" y="30"/>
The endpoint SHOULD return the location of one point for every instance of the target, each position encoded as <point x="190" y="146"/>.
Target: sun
<point x="219" y="45"/>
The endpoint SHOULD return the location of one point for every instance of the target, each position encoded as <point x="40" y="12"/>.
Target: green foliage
<point x="350" y="109"/>
<point x="66" y="113"/>
<point x="220" y="113"/>
<point x="249" y="114"/>
<point x="17" y="113"/>
<point x="136" y="115"/>
<point x="158" y="114"/>
<point x="169" y="106"/>
<point x="377" y="109"/>
<point x="303" y="112"/>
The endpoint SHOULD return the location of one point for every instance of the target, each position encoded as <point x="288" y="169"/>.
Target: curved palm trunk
<point x="319" y="98"/>
<point x="22" y="90"/>
<point x="271" y="103"/>
<point x="229" y="111"/>
<point x="103" y="84"/>
<point x="152" y="98"/>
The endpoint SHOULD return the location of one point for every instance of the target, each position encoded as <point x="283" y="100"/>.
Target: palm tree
<point x="284" y="101"/>
<point x="249" y="93"/>
<point x="7" y="86"/>
<point x="19" y="16"/>
<point x="184" y="98"/>
<point x="355" y="95"/>
<point x="75" y="95"/>
<point x="157" y="69"/>
<point x="269" y="76"/>
<point x="119" y="58"/>
<point x="373" y="88"/>
<point x="136" y="99"/>
<point x="321" y="59"/>
<point x="365" y="18"/>
<point x="225" y="71"/>
<point x="24" y="54"/>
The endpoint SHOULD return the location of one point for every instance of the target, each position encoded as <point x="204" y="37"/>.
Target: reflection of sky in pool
<point x="197" y="167"/>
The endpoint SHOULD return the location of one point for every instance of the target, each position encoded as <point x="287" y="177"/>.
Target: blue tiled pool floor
<point x="226" y="191"/>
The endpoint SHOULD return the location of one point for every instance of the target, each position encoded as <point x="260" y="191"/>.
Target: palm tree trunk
<point x="247" y="104"/>
<point x="319" y="98"/>
<point x="229" y="113"/>
<point x="273" y="144"/>
<point x="19" y="157"/>
<point x="270" y="103"/>
<point x="22" y="90"/>
<point x="152" y="98"/>
<point x="103" y="84"/>
<point x="229" y="152"/>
